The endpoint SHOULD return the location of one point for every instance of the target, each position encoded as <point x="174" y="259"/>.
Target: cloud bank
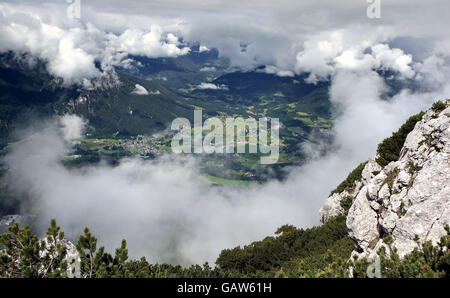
<point x="288" y="37"/>
<point x="71" y="47"/>
<point x="164" y="209"/>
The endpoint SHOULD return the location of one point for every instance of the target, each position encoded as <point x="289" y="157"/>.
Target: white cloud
<point x="394" y="59"/>
<point x="294" y="37"/>
<point x="72" y="48"/>
<point x="71" y="63"/>
<point x="164" y="209"/>
<point x="140" y="90"/>
<point x="211" y="86"/>
<point x="327" y="53"/>
<point x="270" y="69"/>
<point x="157" y="92"/>
<point x="150" y="44"/>
<point x="72" y="128"/>
<point x="203" y="49"/>
<point x="172" y="39"/>
<point x="208" y="68"/>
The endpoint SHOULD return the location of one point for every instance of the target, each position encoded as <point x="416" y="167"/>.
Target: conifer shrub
<point x="389" y="149"/>
<point x="322" y="251"/>
<point x="439" y="106"/>
<point x="349" y="182"/>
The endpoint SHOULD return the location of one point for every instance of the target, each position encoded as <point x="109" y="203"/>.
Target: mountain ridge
<point x="405" y="199"/>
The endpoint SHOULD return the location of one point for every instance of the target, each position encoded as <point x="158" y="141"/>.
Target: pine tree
<point x="23" y="255"/>
<point x="94" y="263"/>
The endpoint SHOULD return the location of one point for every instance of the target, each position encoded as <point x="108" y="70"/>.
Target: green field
<point x="223" y="181"/>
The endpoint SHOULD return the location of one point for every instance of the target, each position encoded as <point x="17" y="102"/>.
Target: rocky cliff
<point x="405" y="198"/>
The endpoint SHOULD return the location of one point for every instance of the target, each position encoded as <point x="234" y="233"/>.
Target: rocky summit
<point x="407" y="199"/>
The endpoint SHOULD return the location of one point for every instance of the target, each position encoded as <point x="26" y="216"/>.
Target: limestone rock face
<point x="72" y="256"/>
<point x="331" y="207"/>
<point x="408" y="197"/>
<point x="362" y="221"/>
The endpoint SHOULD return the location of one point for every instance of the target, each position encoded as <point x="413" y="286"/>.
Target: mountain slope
<point x="118" y="110"/>
<point x="111" y="107"/>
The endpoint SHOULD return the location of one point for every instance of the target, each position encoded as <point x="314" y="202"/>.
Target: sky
<point x="176" y="218"/>
<point x="317" y="37"/>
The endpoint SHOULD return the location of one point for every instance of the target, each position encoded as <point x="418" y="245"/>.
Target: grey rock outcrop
<point x="72" y="257"/>
<point x="408" y="197"/>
